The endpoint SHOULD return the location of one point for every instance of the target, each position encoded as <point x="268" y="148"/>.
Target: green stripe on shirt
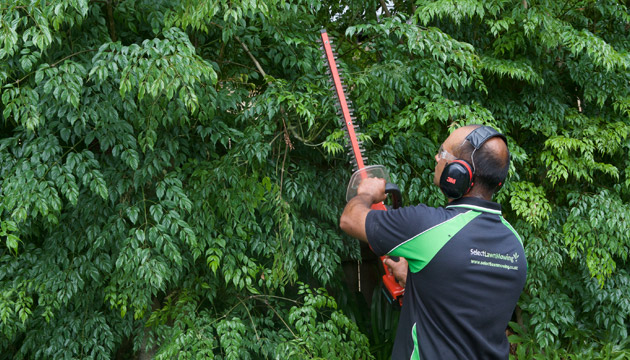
<point x="420" y="249"/>
<point x="415" y="355"/>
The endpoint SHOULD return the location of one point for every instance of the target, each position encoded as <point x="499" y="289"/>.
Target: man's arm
<point x="352" y="222"/>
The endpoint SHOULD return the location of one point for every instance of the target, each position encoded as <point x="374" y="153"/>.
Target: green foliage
<point x="172" y="173"/>
<point x="596" y="226"/>
<point x="530" y="203"/>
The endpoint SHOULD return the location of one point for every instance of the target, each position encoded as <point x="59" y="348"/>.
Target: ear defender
<point x="457" y="177"/>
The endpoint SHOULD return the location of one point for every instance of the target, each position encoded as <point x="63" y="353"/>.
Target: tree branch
<point x="71" y="55"/>
<point x="110" y="20"/>
<point x="385" y="9"/>
<point x="249" y="53"/>
<point x="260" y="69"/>
<point x="18" y="81"/>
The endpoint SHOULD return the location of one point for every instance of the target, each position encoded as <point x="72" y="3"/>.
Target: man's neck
<point x="475" y="194"/>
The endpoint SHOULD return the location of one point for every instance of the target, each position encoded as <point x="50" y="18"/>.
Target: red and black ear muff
<point x="456" y="179"/>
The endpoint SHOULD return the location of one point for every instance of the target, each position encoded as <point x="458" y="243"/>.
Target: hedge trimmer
<point x="392" y="289"/>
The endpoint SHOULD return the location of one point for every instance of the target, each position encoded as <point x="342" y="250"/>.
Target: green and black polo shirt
<point x="467" y="269"/>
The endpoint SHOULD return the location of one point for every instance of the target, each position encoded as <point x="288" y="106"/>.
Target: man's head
<point x="489" y="163"/>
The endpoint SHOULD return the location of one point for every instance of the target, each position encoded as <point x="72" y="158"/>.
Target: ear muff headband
<point x="480" y="135"/>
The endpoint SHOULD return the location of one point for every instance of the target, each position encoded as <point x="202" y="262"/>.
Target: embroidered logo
<point x="494" y="259"/>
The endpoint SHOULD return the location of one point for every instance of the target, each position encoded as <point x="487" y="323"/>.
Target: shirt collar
<point x="478" y="204"/>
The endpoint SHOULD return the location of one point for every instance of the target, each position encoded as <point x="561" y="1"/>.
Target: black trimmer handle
<point x="394" y="192"/>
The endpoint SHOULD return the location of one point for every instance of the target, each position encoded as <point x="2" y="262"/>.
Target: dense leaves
<point x="171" y="172"/>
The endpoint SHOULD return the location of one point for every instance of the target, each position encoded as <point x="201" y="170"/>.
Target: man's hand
<point x="370" y="191"/>
<point x="399" y="269"/>
<point x="374" y="188"/>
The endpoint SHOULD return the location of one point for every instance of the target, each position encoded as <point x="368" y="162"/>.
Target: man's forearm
<point x="352" y="220"/>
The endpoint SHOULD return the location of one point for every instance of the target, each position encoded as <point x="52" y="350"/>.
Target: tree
<point x="171" y="174"/>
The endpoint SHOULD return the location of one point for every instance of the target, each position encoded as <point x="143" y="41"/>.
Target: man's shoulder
<point x="411" y="219"/>
<point x="411" y="210"/>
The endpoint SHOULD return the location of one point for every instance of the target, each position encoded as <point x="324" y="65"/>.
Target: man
<point x="465" y="264"/>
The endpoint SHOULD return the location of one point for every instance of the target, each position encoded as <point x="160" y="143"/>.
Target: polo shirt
<point x="467" y="269"/>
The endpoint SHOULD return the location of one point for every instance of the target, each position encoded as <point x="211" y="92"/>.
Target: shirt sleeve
<point x="387" y="229"/>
